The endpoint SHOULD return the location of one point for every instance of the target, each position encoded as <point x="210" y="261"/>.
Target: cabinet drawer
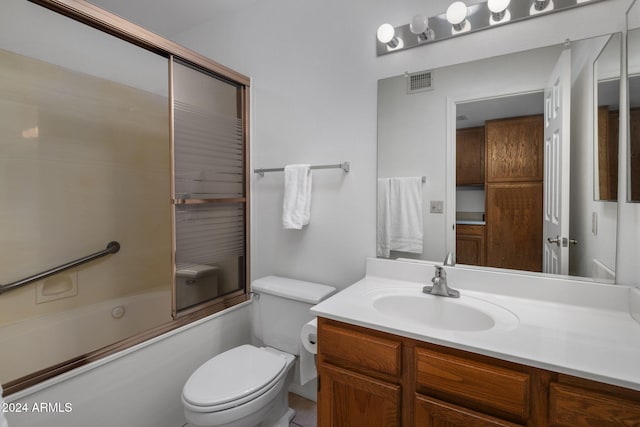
<point x="359" y="351"/>
<point x="435" y="413"/>
<point x="575" y="407"/>
<point x="499" y="391"/>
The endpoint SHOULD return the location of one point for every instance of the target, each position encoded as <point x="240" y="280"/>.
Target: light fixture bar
<point x="478" y="18"/>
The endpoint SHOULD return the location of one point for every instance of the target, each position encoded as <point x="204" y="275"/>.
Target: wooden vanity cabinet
<point x="470" y="244"/>
<point x="576" y="402"/>
<point x="371" y="378"/>
<point x="359" y="377"/>
<point x="470" y="154"/>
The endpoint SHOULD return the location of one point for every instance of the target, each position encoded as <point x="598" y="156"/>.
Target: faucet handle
<point x="440" y="271"/>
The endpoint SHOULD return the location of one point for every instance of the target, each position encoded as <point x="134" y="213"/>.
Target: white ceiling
<point x="477" y="112"/>
<point x="169" y="17"/>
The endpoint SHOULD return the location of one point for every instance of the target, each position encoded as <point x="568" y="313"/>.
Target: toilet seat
<point x="232" y="378"/>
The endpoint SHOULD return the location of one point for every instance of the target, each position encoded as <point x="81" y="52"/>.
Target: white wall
<point x="53" y="38"/>
<point x="314" y="73"/>
<point x="141" y="389"/>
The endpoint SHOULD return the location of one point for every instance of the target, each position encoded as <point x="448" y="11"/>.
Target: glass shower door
<point x="209" y="186"/>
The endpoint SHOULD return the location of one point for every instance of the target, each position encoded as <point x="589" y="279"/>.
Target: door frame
<point x="450" y="162"/>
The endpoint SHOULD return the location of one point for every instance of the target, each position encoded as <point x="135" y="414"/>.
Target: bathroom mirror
<point x="633" y="73"/>
<point x="606" y="70"/>
<point x="417" y="137"/>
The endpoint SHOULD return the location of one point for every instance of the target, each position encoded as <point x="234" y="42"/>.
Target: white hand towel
<point x="382" y="228"/>
<point x="3" y="420"/>
<point x="405" y="208"/>
<point x="296" y="207"/>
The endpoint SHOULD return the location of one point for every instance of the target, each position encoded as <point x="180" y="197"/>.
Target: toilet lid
<point x="232" y="375"/>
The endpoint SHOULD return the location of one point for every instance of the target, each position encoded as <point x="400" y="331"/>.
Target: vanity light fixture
<point x="461" y="19"/>
<point x="499" y="11"/>
<point x="420" y="27"/>
<point x="387" y="35"/>
<point x="457" y="17"/>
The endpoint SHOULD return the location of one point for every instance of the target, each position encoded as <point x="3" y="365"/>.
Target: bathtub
<point x="33" y="344"/>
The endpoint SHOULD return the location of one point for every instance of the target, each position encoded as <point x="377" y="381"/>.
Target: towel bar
<point x="345" y="166"/>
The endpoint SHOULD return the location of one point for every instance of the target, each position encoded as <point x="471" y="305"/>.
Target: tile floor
<point x="305" y="411"/>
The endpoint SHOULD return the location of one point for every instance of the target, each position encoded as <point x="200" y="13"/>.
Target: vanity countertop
<point x="467" y="222"/>
<point x="565" y="325"/>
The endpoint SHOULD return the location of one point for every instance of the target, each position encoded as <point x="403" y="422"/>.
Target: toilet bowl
<point x="238" y="387"/>
<point x="247" y="386"/>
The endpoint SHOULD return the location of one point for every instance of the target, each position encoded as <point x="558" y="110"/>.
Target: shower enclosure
<point x="121" y="137"/>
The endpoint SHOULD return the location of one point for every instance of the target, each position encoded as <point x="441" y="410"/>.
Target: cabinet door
<point x="470" y="244"/>
<point x="470" y="156"/>
<point x="514" y="226"/>
<point x="515" y="149"/>
<point x="431" y="412"/>
<point x="348" y="399"/>
<point x="576" y="407"/>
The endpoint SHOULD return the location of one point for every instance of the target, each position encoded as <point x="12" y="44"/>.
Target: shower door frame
<point x="109" y="23"/>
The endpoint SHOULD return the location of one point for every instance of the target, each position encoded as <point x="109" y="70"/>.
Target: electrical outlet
<point x="594" y="223"/>
<point x="436" y="206"/>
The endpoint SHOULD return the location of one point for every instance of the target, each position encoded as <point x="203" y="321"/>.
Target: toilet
<point x="247" y="386"/>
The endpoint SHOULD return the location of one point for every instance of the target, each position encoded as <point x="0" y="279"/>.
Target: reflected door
<point x="557" y="98"/>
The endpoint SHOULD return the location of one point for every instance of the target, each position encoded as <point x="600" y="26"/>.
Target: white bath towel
<point x="405" y="214"/>
<point x="296" y="208"/>
<point x="383" y="224"/>
<point x="3" y="420"/>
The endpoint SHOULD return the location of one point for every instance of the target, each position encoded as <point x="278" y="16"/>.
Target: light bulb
<point x="420" y="26"/>
<point x="497" y="6"/>
<point x="457" y="13"/>
<point x="386" y="33"/>
<point x="457" y="17"/>
<point x="499" y="12"/>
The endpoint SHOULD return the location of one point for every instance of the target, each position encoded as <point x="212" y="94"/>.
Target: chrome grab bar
<point x="112" y="248"/>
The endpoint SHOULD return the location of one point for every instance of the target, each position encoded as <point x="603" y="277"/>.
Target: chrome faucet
<point x="440" y="281"/>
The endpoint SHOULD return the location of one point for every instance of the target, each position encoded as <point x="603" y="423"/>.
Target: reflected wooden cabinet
<point x="470" y="153"/>
<point x="470" y="244"/>
<point x="608" y="132"/>
<point x="514" y="225"/>
<point x="515" y="148"/>
<point x="514" y="192"/>
<point x="371" y="378"/>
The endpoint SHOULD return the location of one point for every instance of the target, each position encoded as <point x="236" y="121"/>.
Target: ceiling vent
<point x="419" y="82"/>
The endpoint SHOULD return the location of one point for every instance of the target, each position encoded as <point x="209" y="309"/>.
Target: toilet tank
<point x="282" y="308"/>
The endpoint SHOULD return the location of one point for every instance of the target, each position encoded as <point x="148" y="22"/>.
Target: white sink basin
<point x="454" y="314"/>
